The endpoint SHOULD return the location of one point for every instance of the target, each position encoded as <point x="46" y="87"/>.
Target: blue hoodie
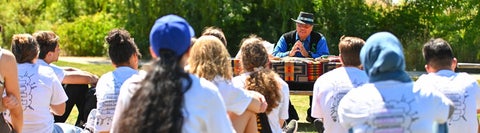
<point x="382" y="58"/>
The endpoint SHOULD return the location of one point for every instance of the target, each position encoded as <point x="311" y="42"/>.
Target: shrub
<point x="85" y="36"/>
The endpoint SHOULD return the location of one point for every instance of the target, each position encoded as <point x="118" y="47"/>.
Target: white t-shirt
<point x="203" y="111"/>
<point x="278" y="113"/>
<point x="464" y="92"/>
<point x="39" y="88"/>
<point x="329" y="89"/>
<point x="393" y="106"/>
<point x="58" y="71"/>
<point x="236" y="99"/>
<point x="108" y="89"/>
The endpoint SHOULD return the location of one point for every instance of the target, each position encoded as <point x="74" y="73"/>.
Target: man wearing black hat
<point x="301" y="42"/>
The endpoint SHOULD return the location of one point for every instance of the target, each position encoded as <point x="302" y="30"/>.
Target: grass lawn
<point x="301" y="105"/>
<point x="97" y="69"/>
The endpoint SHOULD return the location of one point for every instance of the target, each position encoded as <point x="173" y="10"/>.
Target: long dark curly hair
<point x="157" y="105"/>
<point x="254" y="59"/>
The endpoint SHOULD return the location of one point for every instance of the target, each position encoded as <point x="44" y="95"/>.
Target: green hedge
<point x="82" y="25"/>
<point x="85" y="36"/>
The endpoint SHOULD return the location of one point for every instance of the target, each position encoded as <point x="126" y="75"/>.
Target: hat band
<point x="306" y="19"/>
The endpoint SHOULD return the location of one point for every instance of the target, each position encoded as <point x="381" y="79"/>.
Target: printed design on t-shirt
<point x="26" y="87"/>
<point x="340" y="89"/>
<point x="336" y="100"/>
<point x="108" y="104"/>
<point x="396" y="116"/>
<point x="103" y="120"/>
<point x="458" y="99"/>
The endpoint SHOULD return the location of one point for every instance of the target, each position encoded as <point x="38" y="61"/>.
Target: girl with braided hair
<point x="210" y="59"/>
<point x="258" y="77"/>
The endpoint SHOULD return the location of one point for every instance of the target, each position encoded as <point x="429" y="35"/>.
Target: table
<point x="299" y="73"/>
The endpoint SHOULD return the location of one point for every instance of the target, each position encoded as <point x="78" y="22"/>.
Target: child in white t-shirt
<point x="209" y="59"/>
<point x="461" y="88"/>
<point x="330" y="88"/>
<point x="124" y="54"/>
<point x="41" y="92"/>
<point x="258" y="77"/>
<point x="168" y="99"/>
<point x="75" y="82"/>
<point x="390" y="102"/>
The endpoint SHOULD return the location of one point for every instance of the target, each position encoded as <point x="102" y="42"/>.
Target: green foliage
<point x="238" y="19"/>
<point x="456" y="22"/>
<point x="85" y="35"/>
<point x="413" y="22"/>
<point x="83" y="24"/>
<point x="349" y="18"/>
<point x="18" y="18"/>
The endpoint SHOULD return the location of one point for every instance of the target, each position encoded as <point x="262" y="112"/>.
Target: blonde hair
<point x="209" y="58"/>
<point x="254" y="59"/>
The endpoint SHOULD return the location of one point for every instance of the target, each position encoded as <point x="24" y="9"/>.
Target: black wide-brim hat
<point x="305" y="18"/>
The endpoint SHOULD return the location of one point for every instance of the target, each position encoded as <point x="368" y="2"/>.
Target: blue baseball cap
<point x="171" y="32"/>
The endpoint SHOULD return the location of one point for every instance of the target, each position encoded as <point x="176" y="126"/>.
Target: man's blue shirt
<point x="281" y="49"/>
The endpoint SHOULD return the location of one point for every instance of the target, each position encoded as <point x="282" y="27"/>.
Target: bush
<point x="18" y="18"/>
<point x="82" y="25"/>
<point x="85" y="36"/>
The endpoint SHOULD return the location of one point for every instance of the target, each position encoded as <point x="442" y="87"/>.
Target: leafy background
<point x="82" y="25"/>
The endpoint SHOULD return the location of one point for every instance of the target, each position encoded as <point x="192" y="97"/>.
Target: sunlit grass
<point x="301" y="105"/>
<point x="97" y="69"/>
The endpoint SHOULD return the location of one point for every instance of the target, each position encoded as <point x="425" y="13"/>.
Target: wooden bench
<point x="471" y="68"/>
<point x="468" y="65"/>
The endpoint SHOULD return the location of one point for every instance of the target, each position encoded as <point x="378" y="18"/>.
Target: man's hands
<point x="298" y="47"/>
